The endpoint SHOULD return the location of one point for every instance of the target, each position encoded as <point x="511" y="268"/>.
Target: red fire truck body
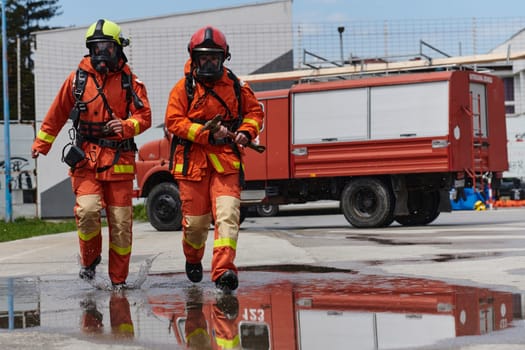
<point x="388" y="147"/>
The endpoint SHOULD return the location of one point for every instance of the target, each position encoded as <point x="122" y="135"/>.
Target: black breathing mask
<point x="209" y="66"/>
<point x="104" y="56"/>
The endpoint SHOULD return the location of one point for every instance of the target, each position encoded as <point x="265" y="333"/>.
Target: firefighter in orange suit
<point x="208" y="162"/>
<point x="108" y="106"/>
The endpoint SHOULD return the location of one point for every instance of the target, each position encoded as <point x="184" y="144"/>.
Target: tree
<point x="24" y="17"/>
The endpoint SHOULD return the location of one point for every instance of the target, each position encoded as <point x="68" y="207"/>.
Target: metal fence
<point x="398" y="40"/>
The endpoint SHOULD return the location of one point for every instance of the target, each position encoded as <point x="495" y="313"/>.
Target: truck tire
<point x="423" y="207"/>
<point x="267" y="210"/>
<point x="367" y="202"/>
<point x="164" y="207"/>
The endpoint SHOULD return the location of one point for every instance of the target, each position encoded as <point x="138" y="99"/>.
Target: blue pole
<point x="7" y="140"/>
<point x="10" y="301"/>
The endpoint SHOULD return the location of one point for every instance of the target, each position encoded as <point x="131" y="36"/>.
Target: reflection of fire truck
<point x="388" y="148"/>
<point x="356" y="312"/>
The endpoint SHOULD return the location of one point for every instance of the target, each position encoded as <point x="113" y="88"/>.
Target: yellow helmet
<point x="104" y="30"/>
<point x="479" y="205"/>
<point x="105" y="43"/>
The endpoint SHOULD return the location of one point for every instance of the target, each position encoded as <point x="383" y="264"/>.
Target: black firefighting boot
<point x="227" y="282"/>
<point x="228" y="304"/>
<point x="89" y="306"/>
<point x="194" y="272"/>
<point x="87" y="273"/>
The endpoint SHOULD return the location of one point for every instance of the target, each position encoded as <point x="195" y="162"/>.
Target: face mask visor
<point x="209" y="65"/>
<point x="104" y="56"/>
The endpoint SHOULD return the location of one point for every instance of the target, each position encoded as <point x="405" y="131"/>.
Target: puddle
<point x="391" y="241"/>
<point x="283" y="307"/>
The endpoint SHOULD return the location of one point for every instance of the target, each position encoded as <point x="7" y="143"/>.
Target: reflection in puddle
<point x="271" y="310"/>
<point x="19" y="303"/>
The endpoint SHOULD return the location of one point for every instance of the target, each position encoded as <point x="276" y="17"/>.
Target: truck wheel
<point x="267" y="210"/>
<point x="367" y="202"/>
<point x="423" y="207"/>
<point x="164" y="207"/>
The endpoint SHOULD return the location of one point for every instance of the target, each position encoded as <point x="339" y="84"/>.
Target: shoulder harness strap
<point x="190" y="88"/>
<point x="127" y="85"/>
<point x="237" y="89"/>
<point x="80" y="84"/>
<point x="78" y="91"/>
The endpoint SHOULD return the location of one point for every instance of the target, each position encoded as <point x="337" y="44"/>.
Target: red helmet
<point x="208" y="50"/>
<point x="207" y="39"/>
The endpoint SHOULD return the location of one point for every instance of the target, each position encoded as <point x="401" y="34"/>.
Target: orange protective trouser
<point x="91" y="319"/>
<point x="218" y="195"/>
<point x="116" y="197"/>
<point x="196" y="329"/>
<point x="120" y="316"/>
<point x="225" y="331"/>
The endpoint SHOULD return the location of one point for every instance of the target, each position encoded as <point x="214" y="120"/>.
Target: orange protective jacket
<point x="186" y="122"/>
<point x="133" y="124"/>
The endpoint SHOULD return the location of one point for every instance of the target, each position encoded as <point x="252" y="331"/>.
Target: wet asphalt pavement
<point x="293" y="293"/>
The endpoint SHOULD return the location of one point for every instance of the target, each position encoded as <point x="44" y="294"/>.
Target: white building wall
<point x="23" y="178"/>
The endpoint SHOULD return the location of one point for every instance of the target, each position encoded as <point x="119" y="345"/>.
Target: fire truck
<point x="338" y="312"/>
<point x="388" y="147"/>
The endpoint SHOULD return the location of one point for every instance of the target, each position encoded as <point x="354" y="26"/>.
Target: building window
<point x="508" y="86"/>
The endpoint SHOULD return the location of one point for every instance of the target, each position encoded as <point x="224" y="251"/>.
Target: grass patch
<point x="24" y="228"/>
<point x="139" y="212"/>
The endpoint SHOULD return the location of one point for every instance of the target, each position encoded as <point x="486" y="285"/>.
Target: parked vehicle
<point x="512" y="188"/>
<point x="388" y="148"/>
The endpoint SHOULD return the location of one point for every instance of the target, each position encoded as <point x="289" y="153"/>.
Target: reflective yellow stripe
<point x="120" y="250"/>
<point x="124" y="169"/>
<point x="44" y="136"/>
<point x="136" y="125"/>
<point x="252" y="122"/>
<point x="178" y="168"/>
<point x="225" y="242"/>
<point x="126" y="328"/>
<point x="87" y="236"/>
<point x="196" y="332"/>
<point x="236" y="164"/>
<point x="215" y="161"/>
<point x="193" y="131"/>
<point x="228" y="344"/>
<point x="193" y="245"/>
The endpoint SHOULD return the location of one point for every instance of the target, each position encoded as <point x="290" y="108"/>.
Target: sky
<point x="83" y="13"/>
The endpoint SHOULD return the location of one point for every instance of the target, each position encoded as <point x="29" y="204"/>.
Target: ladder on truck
<point x="476" y="172"/>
